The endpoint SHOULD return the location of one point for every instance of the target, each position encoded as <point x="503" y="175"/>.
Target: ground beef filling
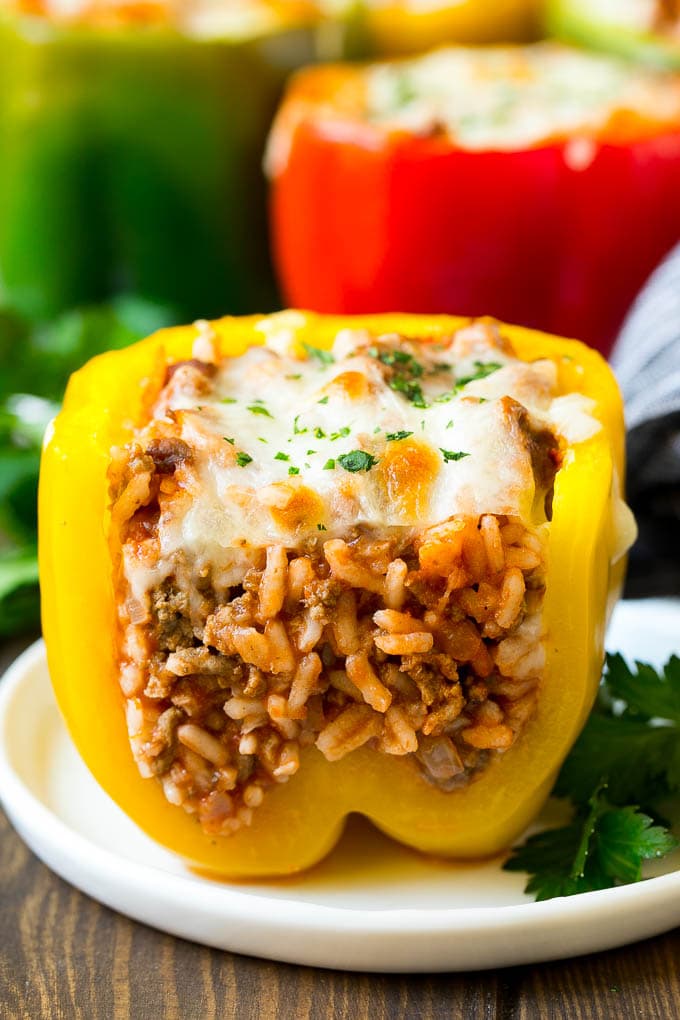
<point x="428" y="647"/>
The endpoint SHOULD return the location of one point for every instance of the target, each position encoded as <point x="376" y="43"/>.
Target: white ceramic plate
<point x="372" y="905"/>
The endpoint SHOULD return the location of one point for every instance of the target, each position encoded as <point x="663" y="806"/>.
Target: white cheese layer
<point x="295" y="450"/>
<point x="515" y="97"/>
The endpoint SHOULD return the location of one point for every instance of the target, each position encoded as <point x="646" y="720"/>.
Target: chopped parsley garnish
<point x="310" y="452"/>
<point x="321" y="527"/>
<point x="319" y="432"/>
<point x="482" y="370"/>
<point x="229" y="439"/>
<point x="324" y="400"/>
<point x="228" y="400"/>
<point x="405" y="371"/>
<point x="324" y="357"/>
<point x="449" y="423"/>
<point x="400" y="358"/>
<point x="261" y="439"/>
<point x="376" y="430"/>
<point x="243" y="458"/>
<point x="293" y="470"/>
<point x="281" y="456"/>
<point x="329" y="465"/>
<point x="440" y="366"/>
<point x="341" y="433"/>
<point x="297" y="431"/>
<point x="257" y="408"/>
<point x="626" y="759"/>
<point x="357" y="460"/>
<point x="394" y="437"/>
<point x="452" y="454"/>
<point x="411" y="390"/>
<point x="297" y="375"/>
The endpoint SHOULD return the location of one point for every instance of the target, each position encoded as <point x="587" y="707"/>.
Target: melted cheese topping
<point x="508" y="98"/>
<point x="297" y="447"/>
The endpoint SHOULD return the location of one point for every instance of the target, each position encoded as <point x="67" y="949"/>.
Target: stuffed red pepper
<point x="539" y="183"/>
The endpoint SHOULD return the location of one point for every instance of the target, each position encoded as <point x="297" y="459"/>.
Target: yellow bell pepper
<point x="300" y="821"/>
<point x="398" y="27"/>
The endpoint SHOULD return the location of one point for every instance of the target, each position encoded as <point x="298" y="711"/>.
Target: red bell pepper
<point x="558" y="235"/>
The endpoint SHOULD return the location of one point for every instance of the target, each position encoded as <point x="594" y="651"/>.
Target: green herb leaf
<point x="19" y="592"/>
<point x="357" y="460"/>
<point x="324" y="357"/>
<point x="625" y="742"/>
<point x="603" y="847"/>
<point x="297" y="431"/>
<point x="319" y="433"/>
<point x="482" y="370"/>
<point x="411" y="390"/>
<point x="324" y="400"/>
<point x="229" y="439"/>
<point x="293" y="470"/>
<point x="329" y="465"/>
<point x="258" y="409"/>
<point x="399" y="358"/>
<point x="646" y="692"/>
<point x="228" y="400"/>
<point x="243" y="458"/>
<point x="341" y="433"/>
<point x="395" y="437"/>
<point x="281" y="456"/>
<point x="449" y="455"/>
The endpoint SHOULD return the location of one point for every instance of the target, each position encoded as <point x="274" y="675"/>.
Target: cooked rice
<point x="221" y="707"/>
<point x="425" y="644"/>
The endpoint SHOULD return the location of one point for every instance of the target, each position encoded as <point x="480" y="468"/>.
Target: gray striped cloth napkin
<point x="646" y="360"/>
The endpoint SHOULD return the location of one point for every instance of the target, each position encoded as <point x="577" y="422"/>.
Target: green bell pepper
<point x="650" y="35"/>
<point x="131" y="161"/>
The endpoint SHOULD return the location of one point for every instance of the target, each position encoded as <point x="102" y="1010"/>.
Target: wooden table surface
<point x="64" y="956"/>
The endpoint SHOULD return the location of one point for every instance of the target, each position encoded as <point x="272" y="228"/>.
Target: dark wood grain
<point x="65" y="957"/>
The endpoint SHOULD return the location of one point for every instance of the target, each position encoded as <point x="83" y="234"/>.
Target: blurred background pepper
<point x="131" y="141"/>
<point x="536" y="184"/>
<point x="395" y="27"/>
<point x="645" y="30"/>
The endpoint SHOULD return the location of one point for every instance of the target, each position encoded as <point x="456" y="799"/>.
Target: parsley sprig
<point x="603" y="846"/>
<point x="626" y="759"/>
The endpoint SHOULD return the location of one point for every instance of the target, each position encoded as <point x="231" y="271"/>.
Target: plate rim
<point x="33" y="818"/>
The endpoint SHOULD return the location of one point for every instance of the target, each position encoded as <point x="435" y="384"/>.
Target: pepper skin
<point x="396" y="27"/>
<point x="300" y="821"/>
<point x="575" y="21"/>
<point x="131" y="161"/>
<point x="558" y="237"/>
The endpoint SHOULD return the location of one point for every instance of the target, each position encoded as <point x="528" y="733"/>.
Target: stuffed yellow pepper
<point x="299" y="566"/>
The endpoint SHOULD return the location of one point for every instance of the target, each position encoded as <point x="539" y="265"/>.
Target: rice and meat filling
<point x="310" y="617"/>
